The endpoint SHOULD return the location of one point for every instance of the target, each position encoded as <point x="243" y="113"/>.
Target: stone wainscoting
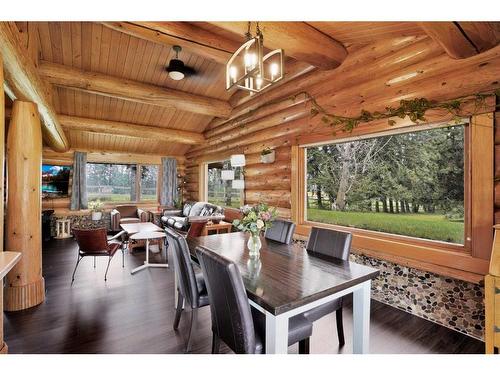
<point x="81" y="221"/>
<point x="453" y="303"/>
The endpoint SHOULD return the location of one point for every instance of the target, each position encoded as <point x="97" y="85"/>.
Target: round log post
<point x="3" y="345"/>
<point x="25" y="285"/>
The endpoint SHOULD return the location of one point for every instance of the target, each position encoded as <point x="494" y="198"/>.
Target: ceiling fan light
<point x="176" y="69"/>
<point x="175" y="75"/>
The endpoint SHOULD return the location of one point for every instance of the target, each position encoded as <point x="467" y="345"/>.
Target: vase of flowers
<point x="256" y="219"/>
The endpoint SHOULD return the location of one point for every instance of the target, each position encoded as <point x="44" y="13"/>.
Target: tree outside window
<point x="410" y="184"/>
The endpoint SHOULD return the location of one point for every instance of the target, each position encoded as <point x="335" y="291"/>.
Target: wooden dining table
<point x="287" y="280"/>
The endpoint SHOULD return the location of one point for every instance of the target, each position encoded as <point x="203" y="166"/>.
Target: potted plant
<point x="256" y="219"/>
<point x="96" y="208"/>
<point x="267" y="156"/>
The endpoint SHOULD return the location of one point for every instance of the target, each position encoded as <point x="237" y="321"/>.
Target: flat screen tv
<point x="55" y="181"/>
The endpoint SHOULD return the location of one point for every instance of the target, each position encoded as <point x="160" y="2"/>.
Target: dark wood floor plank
<point x="134" y="314"/>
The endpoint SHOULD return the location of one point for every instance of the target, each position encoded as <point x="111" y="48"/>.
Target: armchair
<point x="95" y="243"/>
<point x="127" y="214"/>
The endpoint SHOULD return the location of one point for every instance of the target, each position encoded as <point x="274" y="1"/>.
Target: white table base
<point x="147" y="264"/>
<point x="277" y="325"/>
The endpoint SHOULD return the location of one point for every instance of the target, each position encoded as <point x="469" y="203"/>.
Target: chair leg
<point x="94" y="262"/>
<point x="178" y="311"/>
<point x="107" y="268"/>
<point x="194" y="313"/>
<point x="74" y="271"/>
<point x="215" y="344"/>
<point x="304" y="346"/>
<point x="123" y="257"/>
<point x="340" y="327"/>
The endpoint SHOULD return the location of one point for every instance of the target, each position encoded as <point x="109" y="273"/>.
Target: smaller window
<point x="149" y="182"/>
<point x="219" y="191"/>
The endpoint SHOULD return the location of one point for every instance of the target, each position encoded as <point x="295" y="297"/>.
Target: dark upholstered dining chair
<point x="233" y="321"/>
<point x="95" y="243"/>
<point x="336" y="244"/>
<point x="281" y="231"/>
<point x="191" y="285"/>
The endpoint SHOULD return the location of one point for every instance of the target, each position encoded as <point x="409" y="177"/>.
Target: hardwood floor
<point x="135" y="313"/>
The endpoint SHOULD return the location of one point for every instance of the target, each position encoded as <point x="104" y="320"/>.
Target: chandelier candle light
<point x="249" y="69"/>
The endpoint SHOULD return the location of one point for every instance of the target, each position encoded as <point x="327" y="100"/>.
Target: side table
<point x="220" y="227"/>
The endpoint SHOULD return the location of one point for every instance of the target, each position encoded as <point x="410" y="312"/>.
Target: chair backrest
<point x="231" y="315"/>
<point x="334" y="243"/>
<point x="196" y="228"/>
<point x="91" y="240"/>
<point x="281" y="231"/>
<point x="186" y="279"/>
<point x="127" y="210"/>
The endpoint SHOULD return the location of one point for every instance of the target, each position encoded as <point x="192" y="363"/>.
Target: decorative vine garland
<point x="415" y="109"/>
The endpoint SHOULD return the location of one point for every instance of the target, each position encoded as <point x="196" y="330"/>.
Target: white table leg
<point x="276" y="334"/>
<point x="361" y="318"/>
<point x="147" y="264"/>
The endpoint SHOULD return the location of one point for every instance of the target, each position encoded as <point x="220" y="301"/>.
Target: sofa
<point x="127" y="214"/>
<point x="191" y="211"/>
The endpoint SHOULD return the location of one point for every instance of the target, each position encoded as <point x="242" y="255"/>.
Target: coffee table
<point x="140" y="227"/>
<point x="148" y="236"/>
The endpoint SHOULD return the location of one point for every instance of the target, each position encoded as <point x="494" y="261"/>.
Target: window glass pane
<point x="221" y="192"/>
<point x="111" y="182"/>
<point x="149" y="180"/>
<point x="409" y="184"/>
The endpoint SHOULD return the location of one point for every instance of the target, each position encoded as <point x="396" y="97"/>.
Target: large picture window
<point x="121" y="182"/>
<point x="408" y="184"/>
<point x="220" y="191"/>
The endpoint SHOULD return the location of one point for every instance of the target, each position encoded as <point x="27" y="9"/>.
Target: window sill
<point x="437" y="257"/>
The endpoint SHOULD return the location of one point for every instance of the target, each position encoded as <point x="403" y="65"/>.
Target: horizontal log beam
<point x="26" y="84"/>
<point x="226" y="126"/>
<point x="463" y="39"/>
<point x="102" y="84"/>
<point x="299" y="40"/>
<point x="198" y="35"/>
<point x="151" y="32"/>
<point x="240" y="129"/>
<point x="130" y="130"/>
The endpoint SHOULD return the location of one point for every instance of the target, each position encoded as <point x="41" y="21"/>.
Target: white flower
<point x="260" y="224"/>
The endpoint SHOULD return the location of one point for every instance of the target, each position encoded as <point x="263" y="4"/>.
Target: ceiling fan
<point x="176" y="68"/>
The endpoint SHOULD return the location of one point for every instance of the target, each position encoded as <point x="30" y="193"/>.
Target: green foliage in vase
<point x="96" y="205"/>
<point x="256" y="219"/>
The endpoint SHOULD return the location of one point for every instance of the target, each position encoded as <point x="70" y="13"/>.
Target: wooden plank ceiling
<point x="140" y="52"/>
<point x="93" y="47"/>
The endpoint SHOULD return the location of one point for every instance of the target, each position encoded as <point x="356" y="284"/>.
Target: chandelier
<point x="249" y="69"/>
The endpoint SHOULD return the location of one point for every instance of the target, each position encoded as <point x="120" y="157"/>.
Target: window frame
<point x="458" y="260"/>
<point x="204" y="182"/>
<point x="137" y="184"/>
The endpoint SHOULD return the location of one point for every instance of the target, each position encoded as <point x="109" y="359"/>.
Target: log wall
<point x="371" y="78"/>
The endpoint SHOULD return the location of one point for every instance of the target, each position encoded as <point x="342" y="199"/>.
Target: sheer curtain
<point x="79" y="186"/>
<point x="168" y="194"/>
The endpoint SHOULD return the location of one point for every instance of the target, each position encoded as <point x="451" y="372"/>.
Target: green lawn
<point x="119" y="197"/>
<point x="430" y="226"/>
